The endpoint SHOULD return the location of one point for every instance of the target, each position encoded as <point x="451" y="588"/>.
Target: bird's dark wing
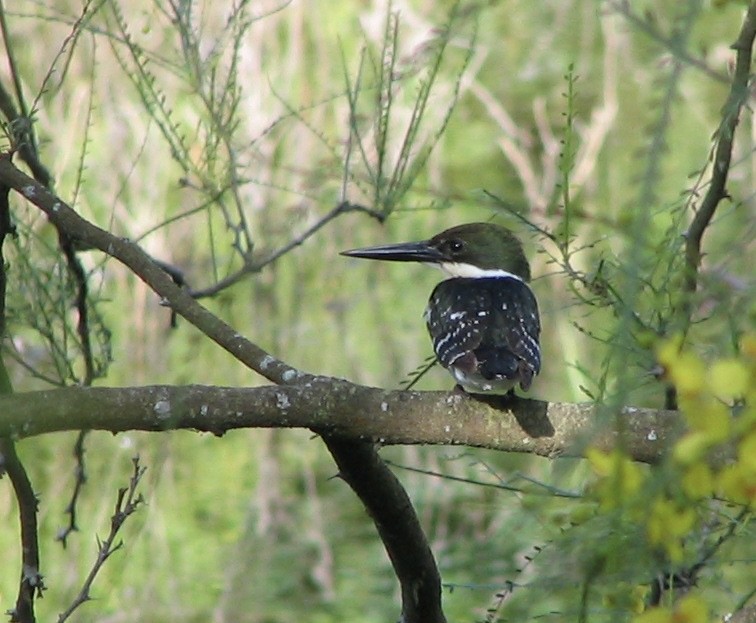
<point x="489" y="323"/>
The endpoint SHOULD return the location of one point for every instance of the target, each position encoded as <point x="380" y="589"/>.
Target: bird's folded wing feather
<point x="498" y="312"/>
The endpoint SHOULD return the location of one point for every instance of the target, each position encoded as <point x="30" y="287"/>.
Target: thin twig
<point x="20" y="127"/>
<point x="417" y="374"/>
<point x="80" y="481"/>
<point x="15" y="74"/>
<point x="722" y="157"/>
<point x="684" y="579"/>
<point x="543" y="488"/>
<point x="127" y="502"/>
<point x="255" y="266"/>
<point x="668" y="42"/>
<point x="493" y="612"/>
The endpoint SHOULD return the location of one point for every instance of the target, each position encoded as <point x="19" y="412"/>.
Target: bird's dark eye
<point x="455" y="246"/>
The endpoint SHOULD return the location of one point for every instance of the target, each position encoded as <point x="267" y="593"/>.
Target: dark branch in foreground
<point x="337" y="407"/>
<point x="31" y="584"/>
<point x="398" y="526"/>
<point x="739" y="93"/>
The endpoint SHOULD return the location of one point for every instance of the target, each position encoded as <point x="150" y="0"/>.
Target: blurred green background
<point x="252" y="527"/>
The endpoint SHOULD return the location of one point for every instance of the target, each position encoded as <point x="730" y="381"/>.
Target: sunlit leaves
<point x="619" y="478"/>
<point x="683" y="505"/>
<point x="690" y="609"/>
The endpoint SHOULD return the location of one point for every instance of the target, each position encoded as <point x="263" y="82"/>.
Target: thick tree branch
<point x="745" y="615"/>
<point x="398" y="526"/>
<point x="338" y="407"/>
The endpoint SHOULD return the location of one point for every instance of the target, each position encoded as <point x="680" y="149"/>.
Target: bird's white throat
<point x="460" y="269"/>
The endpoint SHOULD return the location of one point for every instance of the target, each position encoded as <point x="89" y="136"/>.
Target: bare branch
<point x="337" y="407"/>
<point x="6" y="229"/>
<point x="398" y="526"/>
<point x="744" y="615"/>
<point x="722" y="156"/>
<point x="31" y="584"/>
<point x="127" y="502"/>
<point x="254" y="266"/>
<point x="80" y="480"/>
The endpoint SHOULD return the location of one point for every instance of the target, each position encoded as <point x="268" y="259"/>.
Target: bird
<point x="483" y="317"/>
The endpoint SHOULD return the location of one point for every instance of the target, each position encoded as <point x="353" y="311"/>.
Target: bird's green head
<point x="474" y="247"/>
<point x="470" y="250"/>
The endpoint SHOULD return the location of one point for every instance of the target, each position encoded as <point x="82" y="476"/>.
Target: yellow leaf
<point x="748" y="345"/>
<point x="599" y="461"/>
<point x="738" y="483"/>
<point x="684" y="369"/>
<point x="619" y="478"/>
<point x="698" y="481"/>
<point x="668" y="351"/>
<point x="691" y="448"/>
<point x="667" y="523"/>
<point x="688" y="374"/>
<point x="691" y="609"/>
<point x="729" y="378"/>
<point x="708" y="415"/>
<point x="747" y="452"/>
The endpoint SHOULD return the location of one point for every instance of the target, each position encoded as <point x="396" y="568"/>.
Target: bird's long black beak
<point x="402" y="252"/>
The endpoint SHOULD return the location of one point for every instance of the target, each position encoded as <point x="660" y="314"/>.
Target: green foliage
<point x="391" y="180"/>
<point x="682" y="515"/>
<point x="41" y="319"/>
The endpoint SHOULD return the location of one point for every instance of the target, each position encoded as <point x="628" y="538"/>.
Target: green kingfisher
<point x="483" y="318"/>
